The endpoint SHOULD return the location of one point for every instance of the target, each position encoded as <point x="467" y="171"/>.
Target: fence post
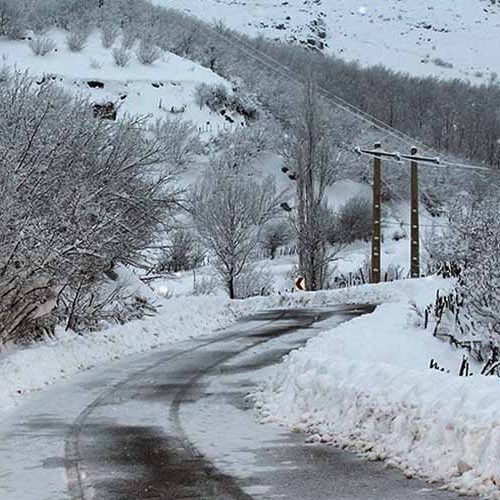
<point x="377" y="211"/>
<point x="414" y="220"/>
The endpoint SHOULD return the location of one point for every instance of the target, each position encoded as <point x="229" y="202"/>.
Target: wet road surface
<point x="177" y="425"/>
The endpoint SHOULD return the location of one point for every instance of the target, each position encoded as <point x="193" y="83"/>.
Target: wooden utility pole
<point x="377" y="211"/>
<point x="414" y="220"/>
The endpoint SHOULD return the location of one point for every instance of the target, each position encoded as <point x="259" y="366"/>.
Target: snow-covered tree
<point x="12" y="18"/>
<point x="230" y="211"/>
<point x="311" y="157"/>
<point x="275" y="235"/>
<point x="471" y="244"/>
<point x="78" y="195"/>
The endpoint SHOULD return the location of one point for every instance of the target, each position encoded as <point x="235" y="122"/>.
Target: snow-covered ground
<point x="447" y="39"/>
<point x="24" y="370"/>
<point x="35" y="367"/>
<point x="366" y="385"/>
<point x="159" y="91"/>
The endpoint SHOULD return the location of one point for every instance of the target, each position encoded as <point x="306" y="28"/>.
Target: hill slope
<point x="447" y="39"/>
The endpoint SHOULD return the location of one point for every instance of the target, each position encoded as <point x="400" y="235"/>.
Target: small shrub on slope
<point x="41" y="45"/>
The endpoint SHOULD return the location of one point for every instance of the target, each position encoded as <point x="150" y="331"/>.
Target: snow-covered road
<point x="175" y="424"/>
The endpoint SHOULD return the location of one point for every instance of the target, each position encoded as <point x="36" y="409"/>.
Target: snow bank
<point x="366" y="386"/>
<point x="419" y="292"/>
<point x="33" y="368"/>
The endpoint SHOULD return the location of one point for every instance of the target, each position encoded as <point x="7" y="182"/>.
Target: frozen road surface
<point x="175" y="424"/>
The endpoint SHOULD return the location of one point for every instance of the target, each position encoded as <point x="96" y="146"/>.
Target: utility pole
<point x="414" y="160"/>
<point x="414" y="220"/>
<point x="377" y="211"/>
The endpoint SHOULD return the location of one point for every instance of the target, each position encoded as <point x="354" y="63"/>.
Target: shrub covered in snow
<point x="275" y="235"/>
<point x="41" y="45"/>
<point x="181" y="254"/>
<point x="147" y="52"/>
<point x="121" y="56"/>
<point x="470" y="250"/>
<point x="252" y="282"/>
<point x="109" y="34"/>
<point x="213" y="96"/>
<point x="78" y="196"/>
<point x="354" y="219"/>
<point x="77" y="39"/>
<point x="218" y="98"/>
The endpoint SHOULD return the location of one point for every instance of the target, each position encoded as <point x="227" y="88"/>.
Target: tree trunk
<point x="230" y="288"/>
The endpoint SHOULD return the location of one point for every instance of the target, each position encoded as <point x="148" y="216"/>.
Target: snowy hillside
<point x="163" y="90"/>
<point x="448" y="39"/>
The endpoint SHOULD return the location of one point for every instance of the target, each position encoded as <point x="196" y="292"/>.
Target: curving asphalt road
<point x="176" y="425"/>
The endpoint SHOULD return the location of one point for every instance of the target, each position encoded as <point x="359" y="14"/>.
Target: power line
<point x="399" y="159"/>
<point x="407" y="224"/>
<point x="278" y="67"/>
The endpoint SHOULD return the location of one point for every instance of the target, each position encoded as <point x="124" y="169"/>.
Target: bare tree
<point x="311" y="157"/>
<point x="182" y="253"/>
<point x="230" y="211"/>
<point x="180" y="142"/>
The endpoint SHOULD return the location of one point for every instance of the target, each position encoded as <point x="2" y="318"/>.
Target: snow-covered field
<point x="448" y="39"/>
<point x="366" y="385"/>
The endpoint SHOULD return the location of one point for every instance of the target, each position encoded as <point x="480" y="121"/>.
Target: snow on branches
<point x="78" y="195"/>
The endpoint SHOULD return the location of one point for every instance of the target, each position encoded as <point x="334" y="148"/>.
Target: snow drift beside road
<point x="366" y="385"/>
<point x="33" y="368"/>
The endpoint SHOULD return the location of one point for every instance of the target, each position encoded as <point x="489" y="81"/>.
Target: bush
<point x="252" y="282"/>
<point x="148" y="53"/>
<point x="207" y="285"/>
<point x="442" y="63"/>
<point x="109" y="34"/>
<point x="243" y="145"/>
<point x="121" y="56"/>
<point x="182" y="254"/>
<point x="275" y="235"/>
<point x="41" y="45"/>
<point x="70" y="210"/>
<point x="76" y="40"/>
<point x="354" y="220"/>
<point x="217" y="98"/>
<point x="214" y="97"/>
